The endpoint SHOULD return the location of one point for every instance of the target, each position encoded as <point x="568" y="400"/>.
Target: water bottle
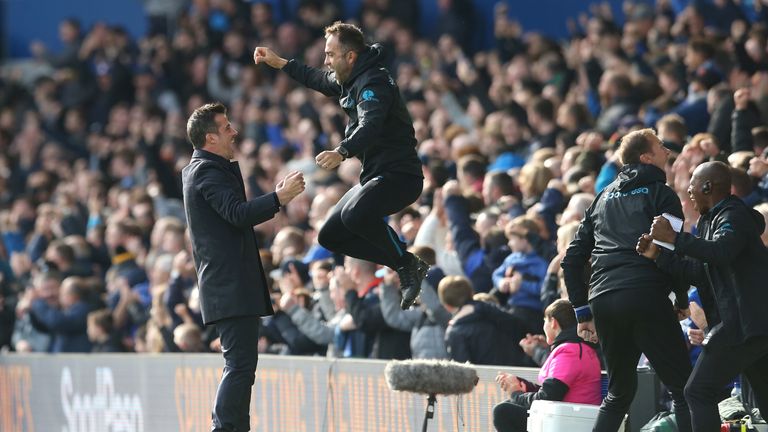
<point x="736" y="392"/>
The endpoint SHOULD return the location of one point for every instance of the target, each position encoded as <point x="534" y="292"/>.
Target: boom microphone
<point x="430" y="377"/>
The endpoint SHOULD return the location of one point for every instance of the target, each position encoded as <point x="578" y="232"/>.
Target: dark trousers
<point x="720" y="362"/>
<point x="510" y="417"/>
<point x="630" y="322"/>
<point x="357" y="228"/>
<point x="239" y="343"/>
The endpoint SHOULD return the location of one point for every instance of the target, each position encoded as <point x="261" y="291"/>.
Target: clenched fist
<point x="289" y="187"/>
<point x="266" y="55"/>
<point x="329" y="159"/>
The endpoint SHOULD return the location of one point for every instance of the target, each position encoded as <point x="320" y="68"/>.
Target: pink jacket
<point x="576" y="365"/>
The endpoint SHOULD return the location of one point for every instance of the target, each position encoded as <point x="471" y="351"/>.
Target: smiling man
<point x="233" y="289"/>
<point x="380" y="134"/>
<point x="729" y="265"/>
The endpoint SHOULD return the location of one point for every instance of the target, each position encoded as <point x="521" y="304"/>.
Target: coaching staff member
<point x="628" y="294"/>
<point x="233" y="290"/>
<point x="380" y="134"/>
<point x="729" y="265"/>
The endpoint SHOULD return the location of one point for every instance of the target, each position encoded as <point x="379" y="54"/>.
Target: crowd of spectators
<point x="515" y="142"/>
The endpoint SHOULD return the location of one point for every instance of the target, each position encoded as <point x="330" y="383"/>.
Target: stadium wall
<point x="174" y="392"/>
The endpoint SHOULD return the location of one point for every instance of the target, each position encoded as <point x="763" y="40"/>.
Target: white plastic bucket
<point x="550" y="416"/>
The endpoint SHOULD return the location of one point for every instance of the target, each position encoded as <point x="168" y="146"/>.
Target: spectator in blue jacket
<point x="481" y="249"/>
<point x="68" y="322"/>
<point x="518" y="280"/>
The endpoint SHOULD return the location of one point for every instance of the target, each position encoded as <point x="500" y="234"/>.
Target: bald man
<point x="729" y="264"/>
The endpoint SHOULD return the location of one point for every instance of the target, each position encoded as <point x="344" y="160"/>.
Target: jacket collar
<point x="571" y="335"/>
<point x="567" y="335"/>
<point x="721" y="203"/>
<point x="367" y="59"/>
<point x="635" y="175"/>
<point x="729" y="202"/>
<point x="205" y="154"/>
<point x="717" y="208"/>
<point x="122" y="257"/>
<point x="373" y="284"/>
<point x="232" y="166"/>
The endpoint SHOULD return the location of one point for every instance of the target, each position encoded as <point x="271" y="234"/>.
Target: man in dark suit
<point x="729" y="264"/>
<point x="233" y="289"/>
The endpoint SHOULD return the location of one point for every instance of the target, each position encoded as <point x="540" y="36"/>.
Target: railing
<point x="174" y="392"/>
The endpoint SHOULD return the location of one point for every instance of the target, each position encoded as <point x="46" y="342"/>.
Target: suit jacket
<point x="229" y="271"/>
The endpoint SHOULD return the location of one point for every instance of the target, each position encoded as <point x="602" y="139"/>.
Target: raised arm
<point x="395" y="317"/>
<point x="320" y="333"/>
<point x="575" y="264"/>
<point x="316" y="79"/>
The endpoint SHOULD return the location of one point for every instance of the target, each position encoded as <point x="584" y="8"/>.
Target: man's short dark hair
<point x="103" y="319"/>
<point x="760" y="137"/>
<point x="472" y="165"/>
<point x="408" y="211"/>
<point x="350" y="36"/>
<point x="703" y="47"/>
<point x="440" y="173"/>
<point x="622" y="83"/>
<point x="503" y="181"/>
<point x="64" y="250"/>
<point x="635" y="144"/>
<point x="202" y="122"/>
<point x="129" y="227"/>
<point x="126" y="155"/>
<point x="493" y="239"/>
<point x="325" y="264"/>
<point x="49" y="274"/>
<point x="544" y="108"/>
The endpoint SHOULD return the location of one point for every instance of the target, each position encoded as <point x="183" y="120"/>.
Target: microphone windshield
<point x="430" y="377"/>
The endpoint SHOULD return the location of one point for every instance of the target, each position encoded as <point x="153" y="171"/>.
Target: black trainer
<point x="411" y="275"/>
